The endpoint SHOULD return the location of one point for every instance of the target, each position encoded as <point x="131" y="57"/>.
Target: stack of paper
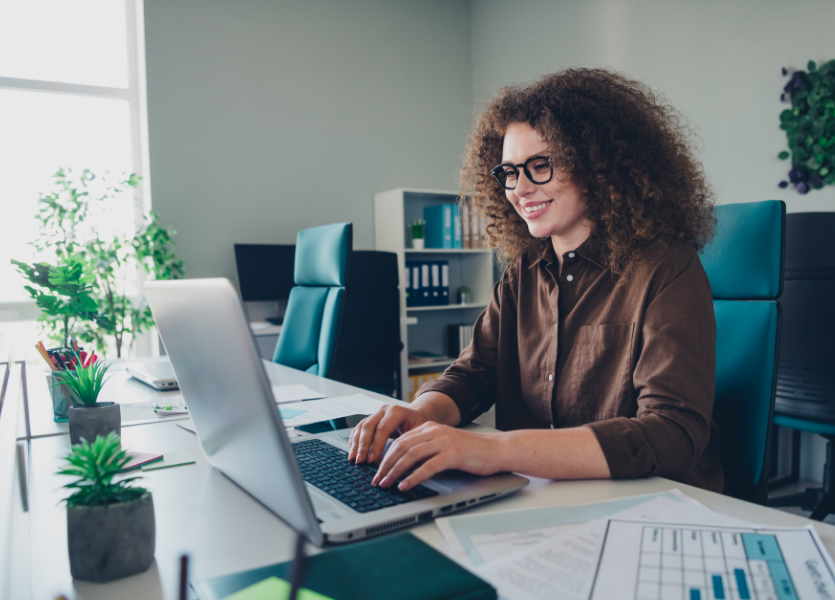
<point x="618" y="548"/>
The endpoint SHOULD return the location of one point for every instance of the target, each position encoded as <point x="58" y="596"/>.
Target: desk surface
<point x="224" y="530"/>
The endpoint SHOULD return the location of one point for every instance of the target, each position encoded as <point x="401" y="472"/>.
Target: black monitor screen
<point x="265" y="271"/>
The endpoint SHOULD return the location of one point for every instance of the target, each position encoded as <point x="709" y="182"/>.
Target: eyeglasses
<point x="537" y="169"/>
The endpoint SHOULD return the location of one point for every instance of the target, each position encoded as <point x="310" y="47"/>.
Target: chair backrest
<point x="311" y="322"/>
<point x="368" y="353"/>
<point x="744" y="264"/>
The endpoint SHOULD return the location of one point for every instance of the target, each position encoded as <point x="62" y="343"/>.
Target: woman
<point x="598" y="345"/>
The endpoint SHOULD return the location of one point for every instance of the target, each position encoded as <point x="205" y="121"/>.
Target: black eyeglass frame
<point x="496" y="171"/>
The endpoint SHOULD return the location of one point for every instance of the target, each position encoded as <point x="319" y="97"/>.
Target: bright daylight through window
<point x="71" y="97"/>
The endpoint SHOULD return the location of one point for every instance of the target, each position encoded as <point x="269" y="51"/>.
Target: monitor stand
<point x="274" y="320"/>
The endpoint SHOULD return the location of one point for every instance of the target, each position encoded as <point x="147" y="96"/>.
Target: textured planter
<point x="111" y="542"/>
<point x="90" y="421"/>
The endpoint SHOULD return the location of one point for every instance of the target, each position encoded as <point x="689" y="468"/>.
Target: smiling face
<point x="555" y="208"/>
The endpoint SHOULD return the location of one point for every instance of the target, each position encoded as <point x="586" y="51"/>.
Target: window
<point x="71" y="95"/>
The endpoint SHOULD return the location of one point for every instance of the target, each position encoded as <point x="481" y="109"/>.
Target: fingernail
<point x="386" y="481"/>
<point x="404" y="485"/>
<point x="370" y="457"/>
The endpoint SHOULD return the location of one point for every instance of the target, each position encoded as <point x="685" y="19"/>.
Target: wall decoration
<point x="810" y="127"/>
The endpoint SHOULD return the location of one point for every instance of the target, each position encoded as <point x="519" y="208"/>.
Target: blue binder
<point x="425" y="285"/>
<point x="457" y="239"/>
<point x="435" y="271"/>
<point x="407" y="284"/>
<point x="439" y="226"/>
<point x="444" y="283"/>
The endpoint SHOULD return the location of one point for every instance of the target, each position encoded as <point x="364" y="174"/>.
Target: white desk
<point x="136" y="398"/>
<point x="200" y="512"/>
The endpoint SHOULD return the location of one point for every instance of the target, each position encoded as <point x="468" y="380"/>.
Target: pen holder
<point x="60" y="402"/>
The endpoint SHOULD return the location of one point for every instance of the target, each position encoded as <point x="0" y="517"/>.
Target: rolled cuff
<point x="627" y="451"/>
<point x="461" y="394"/>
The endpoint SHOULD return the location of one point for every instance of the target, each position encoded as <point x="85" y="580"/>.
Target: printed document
<point x="314" y="411"/>
<point x="294" y="393"/>
<point x="651" y="559"/>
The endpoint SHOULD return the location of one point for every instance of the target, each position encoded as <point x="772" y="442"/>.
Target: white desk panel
<point x="224" y="530"/>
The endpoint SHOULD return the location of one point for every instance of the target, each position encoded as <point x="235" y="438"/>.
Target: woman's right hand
<point x="369" y="437"/>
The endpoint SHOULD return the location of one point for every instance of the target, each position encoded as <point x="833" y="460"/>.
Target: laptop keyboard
<point x="327" y="467"/>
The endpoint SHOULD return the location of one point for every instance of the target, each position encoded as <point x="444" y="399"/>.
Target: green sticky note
<point x="273" y="588"/>
<point x="175" y="459"/>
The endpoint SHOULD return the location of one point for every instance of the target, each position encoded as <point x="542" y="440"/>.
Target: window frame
<point x="137" y="97"/>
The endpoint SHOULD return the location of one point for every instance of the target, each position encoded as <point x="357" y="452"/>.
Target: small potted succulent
<point x="110" y="524"/>
<point x="463" y="293"/>
<point x="418" y="229"/>
<point x="87" y="416"/>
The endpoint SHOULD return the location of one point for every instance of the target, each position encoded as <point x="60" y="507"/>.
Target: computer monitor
<point x="265" y="271"/>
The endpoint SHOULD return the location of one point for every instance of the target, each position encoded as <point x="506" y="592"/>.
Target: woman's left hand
<point x="432" y="448"/>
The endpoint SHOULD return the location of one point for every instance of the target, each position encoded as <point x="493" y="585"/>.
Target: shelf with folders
<point x="472" y="268"/>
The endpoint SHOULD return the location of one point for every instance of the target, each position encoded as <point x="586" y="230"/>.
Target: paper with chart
<point x="474" y="540"/>
<point x="645" y="560"/>
<point x="314" y="411"/>
<point x="562" y="567"/>
<point x="295" y="393"/>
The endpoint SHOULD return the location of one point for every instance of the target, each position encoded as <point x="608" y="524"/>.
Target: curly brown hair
<point x="623" y="146"/>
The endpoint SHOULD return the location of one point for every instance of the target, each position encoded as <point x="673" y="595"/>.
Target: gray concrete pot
<point x="111" y="542"/>
<point x="89" y="421"/>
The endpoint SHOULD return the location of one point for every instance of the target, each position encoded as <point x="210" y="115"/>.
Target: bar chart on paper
<point x="699" y="564"/>
<point x="686" y="562"/>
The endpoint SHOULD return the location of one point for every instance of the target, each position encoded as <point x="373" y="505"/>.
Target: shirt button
<point x="571" y="255"/>
<point x="570" y="278"/>
<point x="550" y="377"/>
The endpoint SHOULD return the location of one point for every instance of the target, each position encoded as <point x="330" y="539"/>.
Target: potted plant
<point x="418" y="229"/>
<point x="88" y="417"/>
<point x="110" y="524"/>
<point x="463" y="294"/>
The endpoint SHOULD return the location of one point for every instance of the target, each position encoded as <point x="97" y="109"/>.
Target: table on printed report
<point x="705" y="563"/>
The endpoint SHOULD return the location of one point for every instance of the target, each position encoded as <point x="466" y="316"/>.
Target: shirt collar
<point x="587" y="250"/>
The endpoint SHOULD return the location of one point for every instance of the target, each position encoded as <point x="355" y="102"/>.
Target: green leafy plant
<point x="85" y="383"/>
<point x="67" y="231"/>
<point x="418" y="228"/>
<point x="463" y="289"/>
<point x="64" y="293"/>
<point x="95" y="465"/>
<point x="810" y="127"/>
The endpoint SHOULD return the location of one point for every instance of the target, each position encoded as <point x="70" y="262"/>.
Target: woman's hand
<point x="369" y="436"/>
<point x="436" y="448"/>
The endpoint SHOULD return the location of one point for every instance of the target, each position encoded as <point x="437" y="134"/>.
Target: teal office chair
<point x="311" y="322"/>
<point x="744" y="264"/>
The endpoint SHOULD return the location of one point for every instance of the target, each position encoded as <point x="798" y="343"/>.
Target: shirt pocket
<point x="597" y="380"/>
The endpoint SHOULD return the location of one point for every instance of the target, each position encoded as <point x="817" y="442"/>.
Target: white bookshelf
<point x="426" y="329"/>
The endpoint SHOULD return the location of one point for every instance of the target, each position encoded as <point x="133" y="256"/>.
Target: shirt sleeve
<point x="674" y="379"/>
<point x="471" y="380"/>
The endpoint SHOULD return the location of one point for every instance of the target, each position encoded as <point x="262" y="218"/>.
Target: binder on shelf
<point x="407" y="285"/>
<point x="466" y="240"/>
<point x="435" y="270"/>
<point x="444" y="283"/>
<point x="456" y="227"/>
<point x="417" y="292"/>
<point x="458" y="338"/>
<point x="417" y="381"/>
<point x="425" y="285"/>
<point x="439" y="227"/>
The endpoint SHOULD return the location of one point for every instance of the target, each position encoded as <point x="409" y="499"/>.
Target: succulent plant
<point x="85" y="382"/>
<point x="95" y="465"/>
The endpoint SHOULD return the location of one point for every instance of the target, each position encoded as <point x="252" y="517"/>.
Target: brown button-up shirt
<point x="634" y="361"/>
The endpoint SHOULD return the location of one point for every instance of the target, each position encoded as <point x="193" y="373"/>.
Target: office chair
<point x="744" y="264"/>
<point x="806" y="375"/>
<point x="310" y="331"/>
<point x="368" y="351"/>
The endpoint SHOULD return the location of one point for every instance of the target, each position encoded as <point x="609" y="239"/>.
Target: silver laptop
<point x="308" y="482"/>
<point x="159" y="375"/>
